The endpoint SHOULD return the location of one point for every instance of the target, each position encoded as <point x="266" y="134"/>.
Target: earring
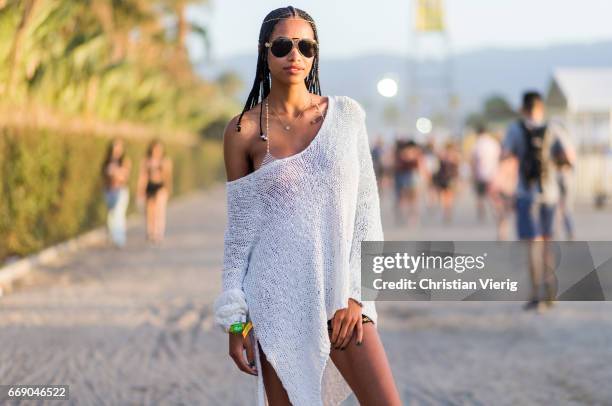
<point x="262" y="135"/>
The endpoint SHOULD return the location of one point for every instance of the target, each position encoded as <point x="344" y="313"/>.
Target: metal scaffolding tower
<point x="430" y="71"/>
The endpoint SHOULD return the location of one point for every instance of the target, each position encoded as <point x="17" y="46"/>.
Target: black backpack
<point x="531" y="163"/>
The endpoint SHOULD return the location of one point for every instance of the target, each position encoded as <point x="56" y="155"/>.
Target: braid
<point x="262" y="82"/>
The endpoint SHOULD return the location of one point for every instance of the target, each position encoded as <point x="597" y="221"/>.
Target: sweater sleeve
<point x="368" y="223"/>
<point x="230" y="306"/>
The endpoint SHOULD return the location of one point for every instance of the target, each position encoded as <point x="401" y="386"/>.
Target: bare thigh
<point x="161" y="199"/>
<point x="150" y="210"/>
<point x="277" y="395"/>
<point x="366" y="369"/>
<point x="160" y="213"/>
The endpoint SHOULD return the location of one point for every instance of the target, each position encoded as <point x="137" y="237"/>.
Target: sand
<point x="134" y="327"/>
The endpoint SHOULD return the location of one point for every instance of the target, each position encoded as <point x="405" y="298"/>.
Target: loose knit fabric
<point x="292" y="253"/>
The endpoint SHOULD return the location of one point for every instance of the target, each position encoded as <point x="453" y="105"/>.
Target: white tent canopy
<point x="581" y="90"/>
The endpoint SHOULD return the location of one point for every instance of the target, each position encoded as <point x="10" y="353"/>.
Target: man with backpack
<point x="539" y="147"/>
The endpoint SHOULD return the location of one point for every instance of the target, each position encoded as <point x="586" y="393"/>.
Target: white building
<point x="582" y="98"/>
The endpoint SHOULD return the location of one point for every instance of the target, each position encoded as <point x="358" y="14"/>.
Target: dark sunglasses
<point x="281" y="46"/>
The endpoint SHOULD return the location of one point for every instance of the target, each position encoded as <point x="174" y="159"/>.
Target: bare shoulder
<point x="322" y="101"/>
<point x="237" y="145"/>
<point x="249" y="129"/>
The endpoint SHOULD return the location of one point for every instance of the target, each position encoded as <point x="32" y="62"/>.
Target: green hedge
<point x="51" y="186"/>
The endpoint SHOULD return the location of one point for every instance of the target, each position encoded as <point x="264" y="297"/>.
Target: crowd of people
<point x="525" y="174"/>
<point x="154" y="187"/>
<point x="432" y="173"/>
<point x="418" y="173"/>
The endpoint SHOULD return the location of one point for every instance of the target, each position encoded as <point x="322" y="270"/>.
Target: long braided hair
<point x="261" y="84"/>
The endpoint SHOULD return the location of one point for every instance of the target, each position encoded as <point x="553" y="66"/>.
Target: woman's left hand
<point x="344" y="322"/>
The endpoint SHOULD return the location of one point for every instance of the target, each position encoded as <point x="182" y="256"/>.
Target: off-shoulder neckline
<point x="330" y="109"/>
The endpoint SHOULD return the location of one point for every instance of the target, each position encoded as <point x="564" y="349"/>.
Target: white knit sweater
<point x="292" y="252"/>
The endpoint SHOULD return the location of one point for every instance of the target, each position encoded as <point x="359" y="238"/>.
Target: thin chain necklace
<point x="287" y="127"/>
<point x="264" y="136"/>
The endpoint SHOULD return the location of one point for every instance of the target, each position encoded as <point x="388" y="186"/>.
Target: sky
<point x="349" y="28"/>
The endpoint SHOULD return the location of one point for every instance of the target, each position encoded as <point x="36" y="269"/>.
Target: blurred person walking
<point x="116" y="174"/>
<point x="502" y="190"/>
<point x="378" y="152"/>
<point x="408" y="167"/>
<point x="154" y="189"/>
<point x="388" y="163"/>
<point x="446" y="177"/>
<point x="484" y="164"/>
<point x="565" y="178"/>
<point x="432" y="165"/>
<point x="537" y="145"/>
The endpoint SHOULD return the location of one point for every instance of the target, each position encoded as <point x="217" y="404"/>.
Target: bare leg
<point x="413" y="207"/>
<point x="550" y="280"/>
<point x="535" y="271"/>
<point x="480" y="208"/>
<point x="433" y="196"/>
<point x="276" y="393"/>
<point x="447" y="204"/>
<point x="366" y="369"/>
<point x="502" y="229"/>
<point x="150" y="214"/>
<point x="501" y="217"/>
<point x="161" y="200"/>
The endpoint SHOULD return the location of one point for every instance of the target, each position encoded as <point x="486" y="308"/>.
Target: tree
<point x="497" y="108"/>
<point x="116" y="60"/>
<point x="27" y="14"/>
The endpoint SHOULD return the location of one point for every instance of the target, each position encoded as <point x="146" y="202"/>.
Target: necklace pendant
<point x="264" y="136"/>
<point x="287" y="128"/>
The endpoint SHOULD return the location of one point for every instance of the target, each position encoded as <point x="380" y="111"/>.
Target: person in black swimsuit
<point x="446" y="178"/>
<point x="155" y="185"/>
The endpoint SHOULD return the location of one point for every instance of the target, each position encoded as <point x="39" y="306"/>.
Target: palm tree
<point x="16" y="53"/>
<point x="111" y="59"/>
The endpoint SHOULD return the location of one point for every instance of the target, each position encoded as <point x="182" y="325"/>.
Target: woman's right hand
<point x="237" y="345"/>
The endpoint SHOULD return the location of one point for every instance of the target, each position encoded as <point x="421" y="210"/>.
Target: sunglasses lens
<point x="307" y="48"/>
<point x="281" y="47"/>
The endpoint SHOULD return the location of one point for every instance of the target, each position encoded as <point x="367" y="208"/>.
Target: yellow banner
<point x="429" y="16"/>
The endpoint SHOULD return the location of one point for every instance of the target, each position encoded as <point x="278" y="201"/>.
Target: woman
<point x="432" y="165"/>
<point x="301" y="196"/>
<point x="502" y="191"/>
<point x="155" y="187"/>
<point x="378" y="153"/>
<point x="446" y="177"/>
<point x="565" y="160"/>
<point x="116" y="174"/>
<point x="409" y="168"/>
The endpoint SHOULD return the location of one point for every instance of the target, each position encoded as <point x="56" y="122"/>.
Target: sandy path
<point x="135" y="327"/>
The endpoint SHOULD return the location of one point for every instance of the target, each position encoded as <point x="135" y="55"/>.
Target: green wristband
<point x="237" y="328"/>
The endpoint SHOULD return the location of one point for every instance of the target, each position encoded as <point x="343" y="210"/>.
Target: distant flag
<point x="429" y="16"/>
